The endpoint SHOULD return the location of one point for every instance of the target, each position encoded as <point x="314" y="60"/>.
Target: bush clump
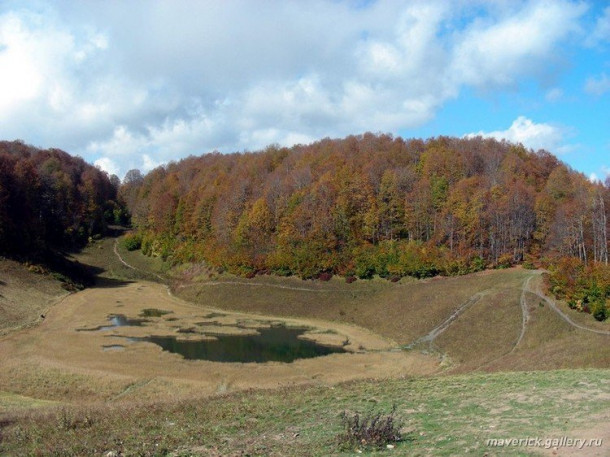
<point x="325" y="276"/>
<point x="369" y="431"/>
<point x="132" y="242"/>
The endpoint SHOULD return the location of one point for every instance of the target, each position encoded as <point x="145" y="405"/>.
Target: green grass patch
<point x="10" y="402"/>
<point x="453" y="415"/>
<point x="154" y="312"/>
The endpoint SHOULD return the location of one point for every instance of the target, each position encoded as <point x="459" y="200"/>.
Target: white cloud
<point x="108" y="165"/>
<point x="139" y="83"/>
<point x="498" y="53"/>
<point x="597" y="86"/>
<point x="149" y="163"/>
<point x="531" y="135"/>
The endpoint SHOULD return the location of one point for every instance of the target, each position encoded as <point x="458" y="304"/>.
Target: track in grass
<point x="525" y="315"/>
<point x="436" y="331"/>
<point x="565" y="317"/>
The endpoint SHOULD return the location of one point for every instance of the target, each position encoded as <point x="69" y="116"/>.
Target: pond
<point x="276" y="343"/>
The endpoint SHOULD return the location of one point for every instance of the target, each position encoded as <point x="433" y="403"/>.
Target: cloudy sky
<point x="134" y="84"/>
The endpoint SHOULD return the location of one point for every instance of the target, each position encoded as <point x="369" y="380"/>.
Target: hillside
<point x="370" y="204"/>
<point x="62" y="393"/>
<point x="50" y="201"/>
<point x="454" y="354"/>
<point x="26" y="293"/>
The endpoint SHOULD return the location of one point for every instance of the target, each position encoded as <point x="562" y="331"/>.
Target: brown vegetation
<point x="370" y="204"/>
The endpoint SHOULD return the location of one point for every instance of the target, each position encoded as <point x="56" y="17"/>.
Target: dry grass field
<point x="459" y="358"/>
<point x="482" y="337"/>
<point x="26" y="292"/>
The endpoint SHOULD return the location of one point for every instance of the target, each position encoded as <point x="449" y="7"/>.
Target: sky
<point x="136" y="84"/>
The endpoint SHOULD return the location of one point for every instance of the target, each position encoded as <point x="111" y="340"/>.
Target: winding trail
<point x="564" y="316"/>
<point x="436" y="331"/>
<point x="276" y="286"/>
<point x="116" y="252"/>
<point x="525" y="314"/>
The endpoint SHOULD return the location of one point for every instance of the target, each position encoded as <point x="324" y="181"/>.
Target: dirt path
<point x="564" y="316"/>
<point x="118" y="254"/>
<point x="525" y="314"/>
<point x="221" y="283"/>
<point x="436" y="331"/>
<point x="276" y="286"/>
<point x="439" y="329"/>
<point x="524" y="319"/>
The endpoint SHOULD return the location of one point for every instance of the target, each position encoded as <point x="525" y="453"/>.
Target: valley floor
<point x="423" y="345"/>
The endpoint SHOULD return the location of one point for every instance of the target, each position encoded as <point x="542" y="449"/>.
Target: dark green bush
<point x="132" y="242"/>
<point x="599" y="310"/>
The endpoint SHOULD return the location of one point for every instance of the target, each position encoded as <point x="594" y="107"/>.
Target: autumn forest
<point x="357" y="207"/>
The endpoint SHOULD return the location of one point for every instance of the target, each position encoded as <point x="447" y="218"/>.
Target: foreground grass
<point x="443" y="416"/>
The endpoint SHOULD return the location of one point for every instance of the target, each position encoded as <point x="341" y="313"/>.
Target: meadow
<point x="459" y="360"/>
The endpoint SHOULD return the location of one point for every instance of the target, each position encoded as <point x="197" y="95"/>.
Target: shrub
<point x="132" y="242"/>
<point x="325" y="276"/>
<point x="505" y="261"/>
<point x="364" y="261"/>
<point x="477" y="264"/>
<point x="371" y="431"/>
<point x="600" y="310"/>
<point x="350" y="279"/>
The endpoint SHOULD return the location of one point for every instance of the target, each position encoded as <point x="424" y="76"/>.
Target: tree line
<point x="360" y="206"/>
<point x="369" y="205"/>
<point x="50" y="200"/>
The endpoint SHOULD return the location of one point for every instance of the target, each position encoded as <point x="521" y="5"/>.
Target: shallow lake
<point x="276" y="343"/>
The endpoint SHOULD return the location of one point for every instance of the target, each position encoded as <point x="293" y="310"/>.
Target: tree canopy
<point x="51" y="200"/>
<point x="370" y="204"/>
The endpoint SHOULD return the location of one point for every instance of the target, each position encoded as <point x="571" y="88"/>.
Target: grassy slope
<point x="481" y="338"/>
<point x="402" y="312"/>
<point x="24" y="295"/>
<point x="446" y="415"/>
